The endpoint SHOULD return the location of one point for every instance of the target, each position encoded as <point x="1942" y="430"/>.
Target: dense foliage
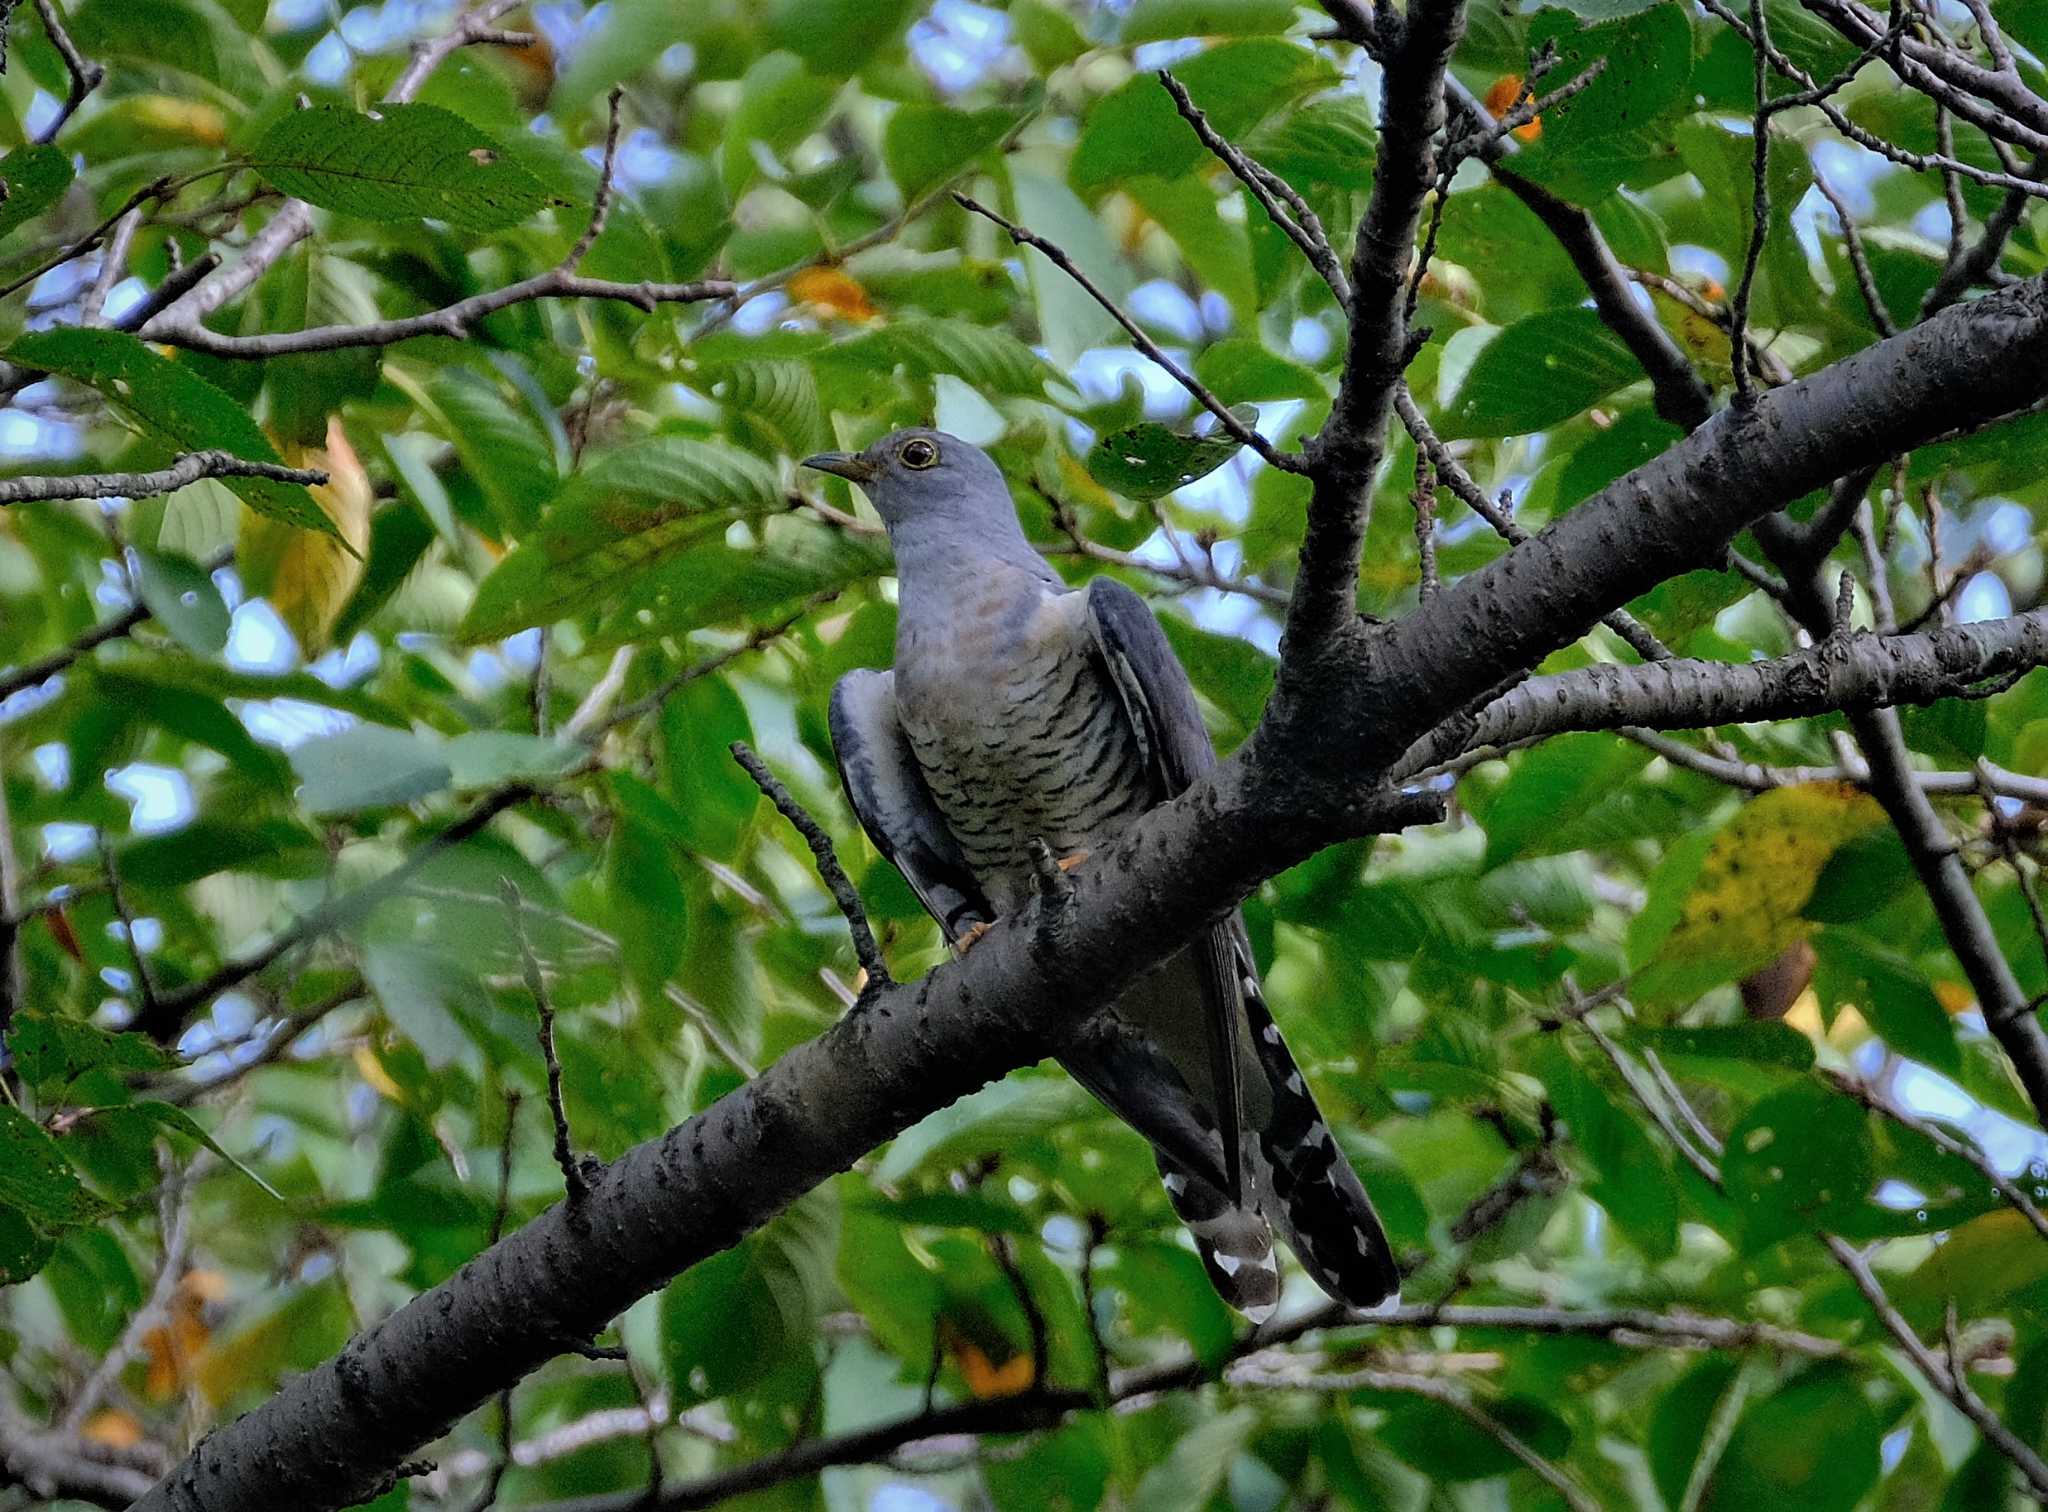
<point x="307" y="786"/>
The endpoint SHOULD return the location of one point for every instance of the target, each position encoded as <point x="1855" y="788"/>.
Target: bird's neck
<point x="945" y="569"/>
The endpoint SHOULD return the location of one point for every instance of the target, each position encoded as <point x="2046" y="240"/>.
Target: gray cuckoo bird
<point x="1021" y="710"/>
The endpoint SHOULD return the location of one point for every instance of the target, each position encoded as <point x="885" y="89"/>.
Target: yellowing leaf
<point x="372" y="1071"/>
<point x="113" y="1428"/>
<point x="187" y="118"/>
<point x="1954" y="997"/>
<point x="309" y="578"/>
<point x="1760" y="870"/>
<point x="834" y="290"/>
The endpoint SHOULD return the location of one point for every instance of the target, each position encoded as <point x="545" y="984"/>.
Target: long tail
<point x="1235" y="1243"/>
<point x="1308" y="1188"/>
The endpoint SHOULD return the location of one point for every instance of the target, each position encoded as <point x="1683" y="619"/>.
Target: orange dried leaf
<point x="832" y="289"/>
<point x="113" y="1428"/>
<point x="1507" y="92"/>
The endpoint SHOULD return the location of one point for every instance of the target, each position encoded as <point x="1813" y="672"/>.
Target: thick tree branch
<point x="1346" y="452"/>
<point x="1843" y="674"/>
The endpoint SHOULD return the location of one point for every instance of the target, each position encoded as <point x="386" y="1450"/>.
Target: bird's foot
<point x="972" y="933"/>
<point x="1068" y="863"/>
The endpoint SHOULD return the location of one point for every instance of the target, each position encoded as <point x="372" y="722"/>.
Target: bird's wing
<point x="889" y="797"/>
<point x="1160" y="704"/>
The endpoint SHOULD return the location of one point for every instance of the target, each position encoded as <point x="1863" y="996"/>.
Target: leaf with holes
<point x="405" y="162"/>
<point x="172" y="405"/>
<point x="1149" y="460"/>
<point x="1801" y="1160"/>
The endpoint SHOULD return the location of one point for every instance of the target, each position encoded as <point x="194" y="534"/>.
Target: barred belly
<point x="1032" y="744"/>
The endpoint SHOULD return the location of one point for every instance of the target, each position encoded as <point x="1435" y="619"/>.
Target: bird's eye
<point x="919" y="454"/>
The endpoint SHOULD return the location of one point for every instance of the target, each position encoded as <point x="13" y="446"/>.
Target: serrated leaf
<point x="52" y="1052"/>
<point x="1615" y="129"/>
<point x="1538" y="372"/>
<point x="1149" y="460"/>
<point x="35" y="1178"/>
<point x="1243" y="370"/>
<point x="631" y="509"/>
<point x="36" y="178"/>
<point x="172" y="405"/>
<point x="23" y="1250"/>
<point x="500" y="444"/>
<point x="1331" y="141"/>
<point x="425" y="992"/>
<point x="730" y="1320"/>
<point x="772" y="402"/>
<point x="405" y="162"/>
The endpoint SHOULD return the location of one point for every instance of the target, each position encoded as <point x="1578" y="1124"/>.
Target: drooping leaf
<point x="1538" y="372"/>
<point x="36" y="178"/>
<point x="1149" y="460"/>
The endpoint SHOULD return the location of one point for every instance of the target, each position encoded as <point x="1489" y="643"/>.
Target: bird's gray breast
<point x="1019" y="732"/>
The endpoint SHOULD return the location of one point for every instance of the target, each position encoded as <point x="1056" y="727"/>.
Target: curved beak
<point x="848" y="465"/>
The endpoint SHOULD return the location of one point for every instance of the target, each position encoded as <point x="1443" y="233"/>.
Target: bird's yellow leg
<point x="1068" y="863"/>
<point x="973" y="932"/>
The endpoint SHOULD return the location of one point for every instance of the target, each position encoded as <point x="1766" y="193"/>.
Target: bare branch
<point x="574" y="1181"/>
<point x="188" y="469"/>
<point x="1859" y="260"/>
<point x="1287" y="209"/>
<point x="829" y="870"/>
<point x="1233" y="427"/>
<point x="85" y="75"/>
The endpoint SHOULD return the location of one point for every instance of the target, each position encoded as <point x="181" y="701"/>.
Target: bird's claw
<point x="1068" y="863"/>
<point x="972" y="933"/>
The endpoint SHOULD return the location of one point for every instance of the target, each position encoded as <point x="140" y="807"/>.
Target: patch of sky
<point x="956" y="43"/>
<point x="258" y="640"/>
<point x="1165" y="306"/>
<point x="2012" y="1147"/>
<point x="1984" y="597"/>
<point x="159" y="797"/>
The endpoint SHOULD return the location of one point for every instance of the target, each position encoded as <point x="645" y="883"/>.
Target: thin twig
<point x="1282" y="204"/>
<point x="495" y="1478"/>
<point x="1760" y="201"/>
<point x="573" y="1179"/>
<point x="188" y="469"/>
<point x="1424" y="500"/>
<point x="85" y="74"/>
<point x="1235" y="428"/>
<point x="174" y="1209"/>
<point x="1859" y="260"/>
<point x="830" y="871"/>
<point x="1947" y="1143"/>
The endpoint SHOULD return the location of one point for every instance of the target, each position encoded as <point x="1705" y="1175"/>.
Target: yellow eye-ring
<point x="918" y="453"/>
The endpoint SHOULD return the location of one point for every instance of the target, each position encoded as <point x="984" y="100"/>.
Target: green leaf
<point x="267" y="847"/>
<point x="1229" y="671"/>
<point x="772" y="404"/>
<point x="1800" y="1160"/>
<point x="720" y="584"/>
<point x="1241" y="370"/>
<point x="732" y="1319"/>
<point x="36" y="178"/>
<point x="1773" y="1044"/>
<point x="1448" y="1446"/>
<point x="1149" y="460"/>
<point x="1047" y="33"/>
<point x="781" y="103"/>
<point x="634" y="507"/>
<point x="1193" y="1471"/>
<point x="405" y="162"/>
<point x="427" y="993"/>
<point x="1548" y="787"/>
<point x="171" y="404"/>
<point x="1813" y="1443"/>
<point x="501" y="446"/>
<point x="491" y="758"/>
<point x="1538" y="372"/>
<point x="37" y="1181"/>
<point x="23" y="1250"/>
<point x="178" y="1121"/>
<point x="1216" y="249"/>
<point x="1331" y="141"/>
<point x="1616" y="130"/>
<point x="1157" y="20"/>
<point x="1866" y="874"/>
<point x="925" y="145"/>
<point x="987" y="358"/>
<point x="1893" y="995"/>
<point x="652" y="909"/>
<point x="838" y="37"/>
<point x="51" y="1052"/>
<point x="1135" y="130"/>
<point x="182" y="596"/>
<point x="370" y="766"/>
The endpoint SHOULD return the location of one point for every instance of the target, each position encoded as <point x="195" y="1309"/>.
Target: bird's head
<point x="925" y="476"/>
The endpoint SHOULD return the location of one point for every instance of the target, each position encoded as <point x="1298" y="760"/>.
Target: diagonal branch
<point x="1349" y="448"/>
<point x="1235" y="428"/>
